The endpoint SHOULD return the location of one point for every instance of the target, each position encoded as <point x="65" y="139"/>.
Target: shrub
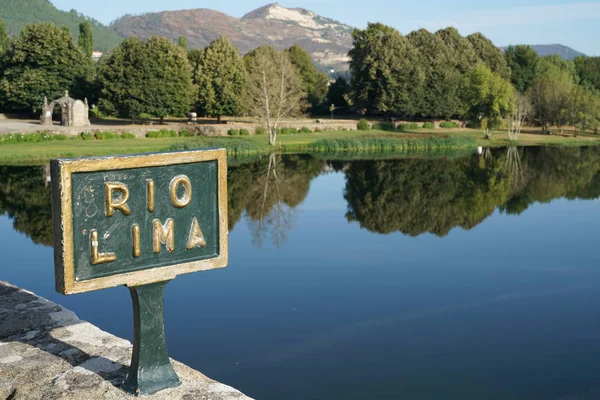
<point x="60" y="136"/>
<point x="317" y="130"/>
<point x="449" y="125"/>
<point x="363" y="125"/>
<point x="305" y="129"/>
<point x="244" y="132"/>
<point x="391" y="144"/>
<point x="185" y="133"/>
<point x="86" y="136"/>
<point x="428" y="125"/>
<point x="106" y="136"/>
<point x="233" y="132"/>
<point x="163" y="133"/>
<point x="127" y="135"/>
<point x="287" y="131"/>
<point x="384" y="126"/>
<point x="260" y="131"/>
<point x="408" y="127"/>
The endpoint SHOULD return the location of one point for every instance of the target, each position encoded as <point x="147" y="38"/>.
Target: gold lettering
<point x="150" y="184"/>
<point x="163" y="234"/>
<point x="135" y="233"/>
<point x="187" y="194"/>
<point x="116" y="204"/>
<point x="196" y="238"/>
<point x="96" y="256"/>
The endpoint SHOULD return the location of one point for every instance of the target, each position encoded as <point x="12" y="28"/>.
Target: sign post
<point x="139" y="221"/>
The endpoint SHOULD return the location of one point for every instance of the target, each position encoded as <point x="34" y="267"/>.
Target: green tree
<point x="273" y="90"/>
<point x="4" y="39"/>
<point x="150" y="77"/>
<point x="523" y="63"/>
<point x="489" y="98"/>
<point x="383" y="74"/>
<point x="437" y="92"/>
<point x="550" y="96"/>
<point x="42" y="61"/>
<point x="489" y="54"/>
<point x="314" y="82"/>
<point x="182" y="42"/>
<point x="554" y="60"/>
<point x="86" y="39"/>
<point x="219" y="77"/>
<point x="583" y="109"/>
<point x="339" y="94"/>
<point x="588" y="71"/>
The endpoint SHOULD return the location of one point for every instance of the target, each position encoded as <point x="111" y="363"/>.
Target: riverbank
<point x="368" y="142"/>
<point x="46" y="352"/>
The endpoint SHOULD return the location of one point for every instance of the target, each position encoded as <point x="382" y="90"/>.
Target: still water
<point x="465" y="277"/>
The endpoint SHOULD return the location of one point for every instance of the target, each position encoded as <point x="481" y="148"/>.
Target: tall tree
<point x="436" y="94"/>
<point x="182" y="42"/>
<point x="383" y="76"/>
<point x="274" y="89"/>
<point x="4" y="39"/>
<point x="150" y="77"/>
<point x="314" y="82"/>
<point x="489" y="54"/>
<point x="489" y="98"/>
<point x="588" y="71"/>
<point x="550" y="94"/>
<point x="339" y="95"/>
<point x="42" y="61"/>
<point x="219" y="77"/>
<point x="523" y="63"/>
<point x="86" y="39"/>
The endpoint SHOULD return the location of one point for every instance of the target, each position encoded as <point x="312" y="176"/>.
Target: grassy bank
<point x="35" y="150"/>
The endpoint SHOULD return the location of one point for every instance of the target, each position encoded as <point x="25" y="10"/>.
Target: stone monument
<point x="75" y="113"/>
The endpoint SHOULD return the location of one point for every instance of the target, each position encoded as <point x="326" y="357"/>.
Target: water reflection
<point x="410" y="195"/>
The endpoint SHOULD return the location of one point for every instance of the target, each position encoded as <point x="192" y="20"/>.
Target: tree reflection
<point x="413" y="196"/>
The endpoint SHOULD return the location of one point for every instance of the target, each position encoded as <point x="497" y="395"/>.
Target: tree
<point x="523" y="63"/>
<point x="4" y="39"/>
<point x="583" y="109"/>
<point x="150" y="77"/>
<point x="42" y="61"/>
<point x="489" y="54"/>
<point x="219" y="77"/>
<point x="550" y="97"/>
<point x="274" y="89"/>
<point x="182" y="42"/>
<point x="86" y="40"/>
<point x="521" y="112"/>
<point x="555" y="61"/>
<point x="339" y="94"/>
<point x="488" y="98"/>
<point x="588" y="71"/>
<point x="437" y="93"/>
<point x="314" y="82"/>
<point x="383" y="74"/>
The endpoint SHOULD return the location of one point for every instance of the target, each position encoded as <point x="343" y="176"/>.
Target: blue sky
<point x="572" y="23"/>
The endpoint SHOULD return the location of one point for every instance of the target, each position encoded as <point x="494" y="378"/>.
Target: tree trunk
<point x="218" y="119"/>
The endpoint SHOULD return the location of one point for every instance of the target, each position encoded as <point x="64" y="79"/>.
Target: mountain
<point x="327" y="41"/>
<point x="565" y="52"/>
<point x="18" y="13"/>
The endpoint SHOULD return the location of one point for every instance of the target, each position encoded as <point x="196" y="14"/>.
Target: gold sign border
<point x="62" y="218"/>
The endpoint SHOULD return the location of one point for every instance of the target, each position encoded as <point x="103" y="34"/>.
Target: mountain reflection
<point x="410" y="195"/>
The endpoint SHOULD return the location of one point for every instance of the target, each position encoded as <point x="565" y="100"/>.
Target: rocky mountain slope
<point x="327" y="41"/>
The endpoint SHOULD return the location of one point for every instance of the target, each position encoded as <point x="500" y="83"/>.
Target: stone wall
<point x="47" y="353"/>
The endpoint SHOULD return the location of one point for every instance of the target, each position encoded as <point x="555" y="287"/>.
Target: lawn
<point x="368" y="141"/>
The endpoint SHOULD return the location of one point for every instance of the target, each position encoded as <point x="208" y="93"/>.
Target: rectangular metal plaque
<point x="134" y="220"/>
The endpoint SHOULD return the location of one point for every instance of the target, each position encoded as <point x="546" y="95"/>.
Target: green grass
<point x="36" y="150"/>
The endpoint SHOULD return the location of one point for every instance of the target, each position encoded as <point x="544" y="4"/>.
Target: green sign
<point x="133" y="220"/>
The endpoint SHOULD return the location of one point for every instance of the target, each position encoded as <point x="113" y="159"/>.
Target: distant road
<point x="14" y="125"/>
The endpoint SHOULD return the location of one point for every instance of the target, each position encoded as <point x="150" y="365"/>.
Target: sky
<point x="572" y="23"/>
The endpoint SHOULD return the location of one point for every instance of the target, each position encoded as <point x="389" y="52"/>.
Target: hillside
<point x="565" y="52"/>
<point x="327" y="41"/>
<point x="18" y="13"/>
